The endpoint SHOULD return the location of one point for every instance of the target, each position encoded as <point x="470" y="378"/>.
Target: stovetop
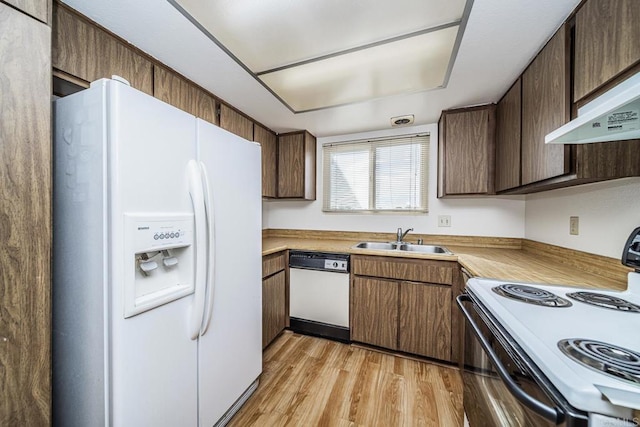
<point x="543" y="331"/>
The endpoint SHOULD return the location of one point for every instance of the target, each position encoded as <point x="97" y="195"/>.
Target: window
<point x="381" y="175"/>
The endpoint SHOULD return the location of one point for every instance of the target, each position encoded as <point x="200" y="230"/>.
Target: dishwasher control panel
<point x="319" y="261"/>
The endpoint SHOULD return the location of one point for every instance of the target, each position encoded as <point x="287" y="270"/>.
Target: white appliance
<point x="319" y="294"/>
<point x="613" y="116"/>
<point x="157" y="263"/>
<point x="553" y="355"/>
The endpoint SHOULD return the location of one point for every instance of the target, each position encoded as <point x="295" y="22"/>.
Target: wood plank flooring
<point x="310" y="381"/>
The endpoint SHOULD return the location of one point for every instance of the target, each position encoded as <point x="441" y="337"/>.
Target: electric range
<point x="539" y="354"/>
<point x="548" y="332"/>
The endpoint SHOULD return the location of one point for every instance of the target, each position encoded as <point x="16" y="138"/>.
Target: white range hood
<point x="613" y="116"/>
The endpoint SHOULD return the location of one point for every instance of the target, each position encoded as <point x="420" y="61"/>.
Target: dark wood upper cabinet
<point x="171" y="88"/>
<point x="69" y="42"/>
<point x="297" y="165"/>
<point x="25" y="220"/>
<point x="39" y="9"/>
<point x="508" y="138"/>
<point x="88" y="53"/>
<point x="235" y="122"/>
<point x="607" y="42"/>
<point x="466" y="145"/>
<point x="269" y="144"/>
<point x="545" y="107"/>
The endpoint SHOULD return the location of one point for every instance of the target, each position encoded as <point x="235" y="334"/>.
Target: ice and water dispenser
<point x="159" y="260"/>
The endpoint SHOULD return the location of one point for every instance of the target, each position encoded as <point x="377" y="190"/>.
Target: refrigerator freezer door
<point x="230" y="350"/>
<point x="153" y="360"/>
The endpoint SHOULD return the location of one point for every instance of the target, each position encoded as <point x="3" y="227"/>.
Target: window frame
<point x="370" y="145"/>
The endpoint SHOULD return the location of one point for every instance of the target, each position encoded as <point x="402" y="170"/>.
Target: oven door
<point x="501" y="386"/>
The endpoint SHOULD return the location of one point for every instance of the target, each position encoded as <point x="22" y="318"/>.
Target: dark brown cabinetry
<point x="546" y="107"/>
<point x="607" y="43"/>
<point x="466" y="146"/>
<point x="25" y="217"/>
<point x="404" y="304"/>
<point x="177" y="91"/>
<point x="87" y="53"/>
<point x="508" y="138"/>
<point x="268" y="142"/>
<point x="235" y="122"/>
<point x="374" y="312"/>
<point x="297" y="165"/>
<point x="425" y="320"/>
<point x="274" y="304"/>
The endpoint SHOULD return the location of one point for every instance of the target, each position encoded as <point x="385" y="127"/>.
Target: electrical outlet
<point x="444" y="220"/>
<point x="574" y="225"/>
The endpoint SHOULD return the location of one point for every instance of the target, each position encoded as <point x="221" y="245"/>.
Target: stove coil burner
<point x="606" y="301"/>
<point x="606" y="358"/>
<point x="531" y="295"/>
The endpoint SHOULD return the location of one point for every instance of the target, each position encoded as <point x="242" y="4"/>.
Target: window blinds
<point x="381" y="175"/>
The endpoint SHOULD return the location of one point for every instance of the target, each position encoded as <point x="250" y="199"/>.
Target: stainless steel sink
<point x="425" y="249"/>
<point x="407" y="247"/>
<point x="377" y="245"/>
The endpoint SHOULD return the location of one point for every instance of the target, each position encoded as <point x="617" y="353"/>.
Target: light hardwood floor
<point x="310" y="381"/>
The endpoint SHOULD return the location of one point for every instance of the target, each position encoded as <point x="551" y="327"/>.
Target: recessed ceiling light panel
<point x="315" y="55"/>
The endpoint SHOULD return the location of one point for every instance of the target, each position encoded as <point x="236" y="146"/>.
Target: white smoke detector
<point x="402" y="120"/>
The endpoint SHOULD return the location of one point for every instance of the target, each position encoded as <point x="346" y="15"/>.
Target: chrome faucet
<point x="400" y="235"/>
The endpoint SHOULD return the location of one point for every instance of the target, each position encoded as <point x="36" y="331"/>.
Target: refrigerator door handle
<point x="211" y="253"/>
<point x="197" y="199"/>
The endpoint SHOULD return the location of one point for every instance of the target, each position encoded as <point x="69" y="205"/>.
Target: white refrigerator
<point x="156" y="261"/>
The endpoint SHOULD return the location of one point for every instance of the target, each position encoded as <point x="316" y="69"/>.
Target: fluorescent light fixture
<point x="314" y="55"/>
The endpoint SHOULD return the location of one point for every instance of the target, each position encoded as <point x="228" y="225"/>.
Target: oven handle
<point x="552" y="414"/>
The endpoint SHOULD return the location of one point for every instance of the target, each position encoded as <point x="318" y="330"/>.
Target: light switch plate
<point x="444" y="220"/>
<point x="574" y="225"/>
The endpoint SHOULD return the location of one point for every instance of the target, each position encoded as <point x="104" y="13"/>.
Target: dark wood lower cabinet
<point x="425" y="320"/>
<point x="374" y="312"/>
<point x="398" y="314"/>
<point x="273" y="307"/>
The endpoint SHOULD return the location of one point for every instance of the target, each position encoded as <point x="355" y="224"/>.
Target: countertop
<point x="532" y="262"/>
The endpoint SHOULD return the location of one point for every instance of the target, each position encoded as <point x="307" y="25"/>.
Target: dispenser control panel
<point x="159" y="260"/>
<point x="156" y="234"/>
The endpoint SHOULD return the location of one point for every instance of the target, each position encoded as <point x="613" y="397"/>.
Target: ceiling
<point x="334" y="52"/>
<point x="500" y="38"/>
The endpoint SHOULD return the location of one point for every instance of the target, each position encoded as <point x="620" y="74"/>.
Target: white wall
<point x="608" y="212"/>
<point x="493" y="216"/>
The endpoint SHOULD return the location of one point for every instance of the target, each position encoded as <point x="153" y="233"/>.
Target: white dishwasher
<point x="319" y="294"/>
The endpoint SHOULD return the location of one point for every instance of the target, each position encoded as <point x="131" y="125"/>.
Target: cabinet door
<point x="545" y="107"/>
<point x="468" y="144"/>
<point x="268" y="141"/>
<point x="273" y="307"/>
<point x="607" y="42"/>
<point x="107" y="56"/>
<point x="425" y="320"/>
<point x="297" y="165"/>
<point x="374" y="312"/>
<point x="25" y="220"/>
<point x="235" y="122"/>
<point x="171" y="88"/>
<point x="508" y="138"/>
<point x="69" y="50"/>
